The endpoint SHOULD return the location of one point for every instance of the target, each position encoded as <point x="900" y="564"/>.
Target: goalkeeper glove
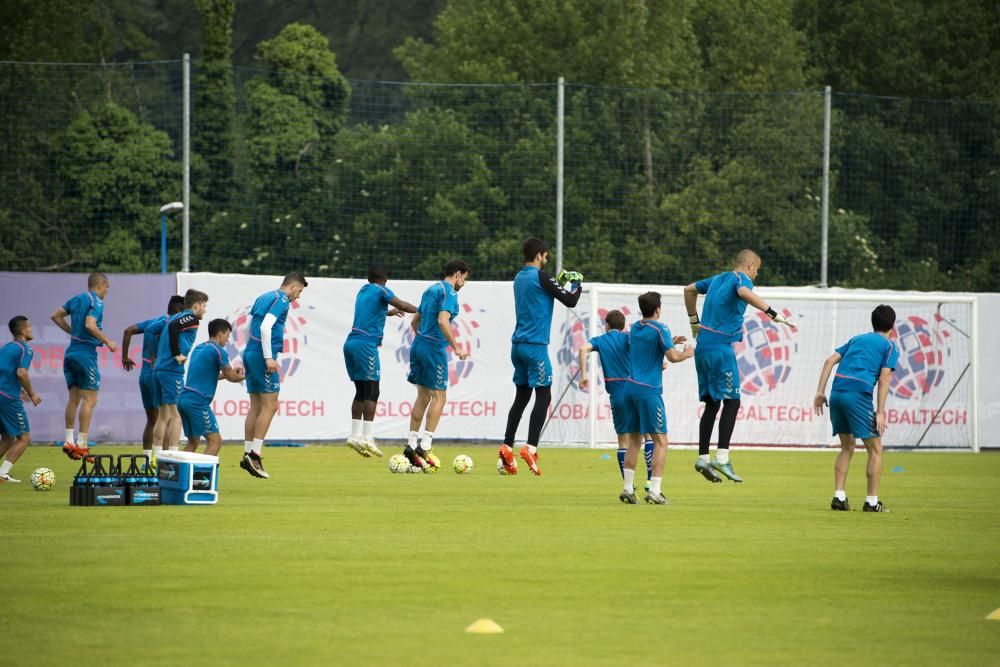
<point x="569" y="277"/>
<point x="773" y="314"/>
<point x="695" y="326"/>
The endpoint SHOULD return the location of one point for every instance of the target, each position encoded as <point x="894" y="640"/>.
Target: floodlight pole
<point x="186" y="264"/>
<point x="166" y="210"/>
<point x="825" y="203"/>
<point x="560" y="139"/>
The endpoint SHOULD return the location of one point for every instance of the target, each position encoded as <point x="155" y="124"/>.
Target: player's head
<point x="293" y="284"/>
<point x="457" y="271"/>
<point x="175" y="305"/>
<point x="196" y="302"/>
<point x="748" y="262"/>
<point x="377" y="274"/>
<point x="615" y="319"/>
<point x="535" y="250"/>
<point x="20" y="327"/>
<point x="883" y="318"/>
<point x="219" y="330"/>
<point x="649" y="305"/>
<point x="98" y="283"/>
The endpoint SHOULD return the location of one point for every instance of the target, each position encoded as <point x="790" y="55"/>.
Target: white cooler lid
<point x="186" y="457"/>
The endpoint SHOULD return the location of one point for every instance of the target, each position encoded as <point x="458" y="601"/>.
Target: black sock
<point x="706" y="426"/>
<point x="543" y="397"/>
<point x="730" y="408"/>
<point x="521" y="398"/>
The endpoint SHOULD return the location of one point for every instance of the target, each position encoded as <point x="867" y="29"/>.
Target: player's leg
<point x="213" y="443"/>
<point x="369" y="404"/>
<point x="727" y="423"/>
<point x="72" y="408"/>
<point x="88" y="401"/>
<point x="250" y="422"/>
<point x="355" y="440"/>
<point x="647" y="453"/>
<point x="653" y="420"/>
<point x="420" y="406"/>
<point x="724" y="385"/>
<point x="266" y="408"/>
<point x="540" y="378"/>
<point x="840" y="467"/>
<point x="435" y="408"/>
<point x="703" y="369"/>
<point x="856" y="409"/>
<point x="17" y="434"/>
<point x="874" y="474"/>
<point x="6" y="442"/>
<point x="633" y="443"/>
<point x="522" y="396"/>
<point x="173" y="431"/>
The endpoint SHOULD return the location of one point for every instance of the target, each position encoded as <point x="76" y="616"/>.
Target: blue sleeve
<point x="279" y="307"/>
<point x="26" y="357"/>
<point x="703" y="285"/>
<point x="145" y="324"/>
<point x="224" y="358"/>
<point x="387" y="294"/>
<point x="98" y="310"/>
<point x="156" y="327"/>
<point x="440" y="301"/>
<point x="68" y="306"/>
<point x="842" y="350"/>
<point x="595" y="343"/>
<point x="452" y="304"/>
<point x="666" y="340"/>
<point x="744" y="281"/>
<point x="891" y="358"/>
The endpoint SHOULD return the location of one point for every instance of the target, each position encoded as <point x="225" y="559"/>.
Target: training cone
<point x="484" y="626"/>
<point x="994" y="616"/>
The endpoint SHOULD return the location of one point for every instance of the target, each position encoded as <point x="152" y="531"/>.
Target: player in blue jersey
<point x="535" y="292"/>
<point x="209" y="363"/>
<point x="643" y="410"/>
<point x="83" y="377"/>
<point x="149" y="390"/>
<point x="371" y="307"/>
<point x="866" y="362"/>
<point x="433" y="336"/>
<point x="172" y="350"/>
<point x="15" y="360"/>
<point x="260" y="362"/>
<point x="719" y="327"/>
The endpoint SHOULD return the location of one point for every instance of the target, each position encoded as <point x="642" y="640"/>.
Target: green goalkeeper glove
<point x="568" y="277"/>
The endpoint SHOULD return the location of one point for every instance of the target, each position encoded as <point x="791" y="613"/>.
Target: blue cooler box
<point x="188" y="478"/>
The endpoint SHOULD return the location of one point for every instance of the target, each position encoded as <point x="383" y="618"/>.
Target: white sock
<point x="5" y="467"/>
<point x="157" y="450"/>
<point x="257" y="446"/>
<point x="703" y="457"/>
<point x="871" y="500"/>
<point x="366" y="429"/>
<point x="355" y="428"/>
<point x="654" y="485"/>
<point x="722" y="456"/>
<point x="69" y="436"/>
<point x="427" y="441"/>
<point x="411" y="439"/>
<point x="629" y="479"/>
<point x="247" y="446"/>
<point x="148" y="453"/>
<point x="532" y="449"/>
<point x="82" y="442"/>
<point x="840" y="495"/>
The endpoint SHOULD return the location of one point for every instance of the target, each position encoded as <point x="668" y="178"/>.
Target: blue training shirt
<point x="612" y="348"/>
<point x="180" y="330"/>
<point x="533" y="307"/>
<point x="440" y="296"/>
<point x="14" y="355"/>
<point x="370" y="309"/>
<point x="80" y="307"/>
<point x="648" y="341"/>
<point x="150" y="330"/>
<point x="723" y="310"/>
<point x="207" y="360"/>
<point x="862" y="360"/>
<point x="274" y="303"/>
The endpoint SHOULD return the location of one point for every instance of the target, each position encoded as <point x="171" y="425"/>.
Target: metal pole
<point x="186" y="265"/>
<point x="825" y="203"/>
<point x="560" y="138"/>
<point x="163" y="242"/>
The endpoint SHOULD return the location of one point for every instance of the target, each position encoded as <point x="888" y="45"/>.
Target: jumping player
<point x="535" y="291"/>
<point x="260" y="362"/>
<point x="721" y="324"/>
<point x="15" y="360"/>
<point x="371" y="307"/>
<point x="209" y="362"/>
<point x="866" y="362"/>
<point x="148" y="388"/>
<point x="83" y="377"/>
<point x="429" y="361"/>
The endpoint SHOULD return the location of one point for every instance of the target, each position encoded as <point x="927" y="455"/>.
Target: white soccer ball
<point x="435" y="463"/>
<point x="501" y="469"/>
<point x="43" y="479"/>
<point x="462" y="464"/>
<point x="414" y="469"/>
<point x="398" y="463"/>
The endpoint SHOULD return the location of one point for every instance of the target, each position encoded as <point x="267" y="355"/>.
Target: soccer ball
<point x="435" y="463"/>
<point x="501" y="469"/>
<point x="43" y="479"/>
<point x="413" y="469"/>
<point x="462" y="464"/>
<point x="398" y="463"/>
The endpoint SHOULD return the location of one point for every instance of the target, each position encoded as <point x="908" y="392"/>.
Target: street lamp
<point x="166" y="210"/>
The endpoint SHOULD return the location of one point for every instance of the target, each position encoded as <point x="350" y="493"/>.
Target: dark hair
<point x="456" y="266"/>
<point x="217" y="326"/>
<point x="175" y="305"/>
<point x="193" y="296"/>
<point x="883" y="318"/>
<point x="294" y="277"/>
<point x="648" y="303"/>
<point x="532" y="247"/>
<point x="96" y="278"/>
<point x="377" y="273"/>
<point x="17" y="324"/>
<point x="615" y="319"/>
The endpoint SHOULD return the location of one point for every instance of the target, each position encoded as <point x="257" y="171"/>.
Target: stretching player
<point x="260" y="362"/>
<point x="535" y="291"/>
<point x="371" y="307"/>
<point x="15" y="360"/>
<point x="209" y="363"/>
<point x="148" y="388"/>
<point x="172" y="352"/>
<point x="649" y="342"/>
<point x="866" y="362"/>
<point x="429" y="361"/>
<point x="83" y="377"/>
<point x="721" y="324"/>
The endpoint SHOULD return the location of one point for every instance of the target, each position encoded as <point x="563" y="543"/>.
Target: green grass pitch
<point x="336" y="561"/>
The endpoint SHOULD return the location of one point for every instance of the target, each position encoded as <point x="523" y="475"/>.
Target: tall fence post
<point x="825" y="203"/>
<point x="560" y="137"/>
<point x="186" y="265"/>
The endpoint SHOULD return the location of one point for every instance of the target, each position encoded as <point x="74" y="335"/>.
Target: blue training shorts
<point x="259" y="381"/>
<point x="718" y="373"/>
<point x="361" y="358"/>
<point x="149" y="388"/>
<point x="170" y="385"/>
<point x="532" y="367"/>
<point x="428" y="365"/>
<point x="648" y="412"/>
<point x="13" y="419"/>
<point x="623" y="416"/>
<point x="852" y="412"/>
<point x="197" y="416"/>
<point x="81" y="371"/>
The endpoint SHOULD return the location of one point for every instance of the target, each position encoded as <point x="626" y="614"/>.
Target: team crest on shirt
<point x="922" y="347"/>
<point x="574" y="334"/>
<point x="466" y="331"/>
<point x="765" y="354"/>
<point x="295" y="339"/>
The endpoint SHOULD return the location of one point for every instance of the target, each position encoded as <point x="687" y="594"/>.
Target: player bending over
<point x="866" y="362"/>
<point x="364" y="367"/>
<point x="260" y="362"/>
<point x="649" y="343"/>
<point x="15" y="360"/>
<point x="535" y="292"/>
<point x="83" y="377"/>
<point x="429" y="361"/>
<point x="721" y="324"/>
<point x="209" y="363"/>
<point x="148" y="388"/>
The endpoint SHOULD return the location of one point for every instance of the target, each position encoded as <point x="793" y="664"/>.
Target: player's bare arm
<point x="415" y="323"/>
<point x="691" y="305"/>
<point x="93" y="330"/>
<point x="748" y="295"/>
<point x="130" y="331"/>
<point x="584" y="353"/>
<point x="399" y="307"/>
<point x="820" y="400"/>
<point x="884" y="377"/>
<point x="444" y="323"/>
<point x="22" y="377"/>
<point x="232" y="374"/>
<point x="59" y="317"/>
<point x="675" y="355"/>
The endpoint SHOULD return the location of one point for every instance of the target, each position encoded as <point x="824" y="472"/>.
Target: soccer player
<point x="15" y="360"/>
<point x="371" y="307"/>
<point x="260" y="362"/>
<point x="866" y="362"/>
<point x="535" y="291"/>
<point x="83" y="377"/>
<point x="649" y="343"/>
<point x="148" y="388"/>
<point x="429" y="361"/>
<point x="721" y="324"/>
<point x="173" y="348"/>
<point x="209" y="363"/>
